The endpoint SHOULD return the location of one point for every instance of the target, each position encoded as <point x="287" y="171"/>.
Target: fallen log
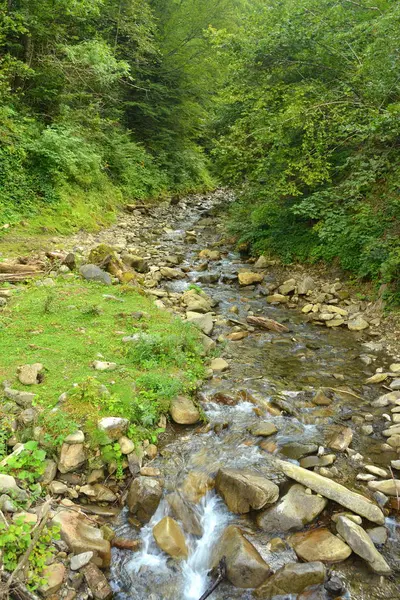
<point x="15" y="277"/>
<point x="7" y="267"/>
<point x="269" y="324"/>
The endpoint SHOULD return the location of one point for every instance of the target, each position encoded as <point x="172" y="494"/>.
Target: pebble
<point x="80" y="560"/>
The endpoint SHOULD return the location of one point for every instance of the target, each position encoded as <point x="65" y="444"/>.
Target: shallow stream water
<point x="265" y="367"/>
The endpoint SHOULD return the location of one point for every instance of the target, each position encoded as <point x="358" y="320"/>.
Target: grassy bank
<point x="69" y="326"/>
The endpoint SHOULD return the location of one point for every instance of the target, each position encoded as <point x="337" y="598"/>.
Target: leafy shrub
<point x="28" y="465"/>
<point x="15" y="538"/>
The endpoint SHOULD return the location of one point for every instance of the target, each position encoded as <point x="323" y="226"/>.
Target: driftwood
<point x="8" y="267"/>
<point x="221" y="574"/>
<point x="265" y="323"/>
<point x="15" y="277"/>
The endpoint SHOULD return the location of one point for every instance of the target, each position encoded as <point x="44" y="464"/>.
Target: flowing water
<point x="265" y="367"/>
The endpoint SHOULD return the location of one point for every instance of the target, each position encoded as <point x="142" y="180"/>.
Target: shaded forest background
<point x="295" y="103"/>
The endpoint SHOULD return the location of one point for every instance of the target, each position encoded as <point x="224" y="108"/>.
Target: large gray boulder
<point x="94" y="273"/>
<point x="294" y="510"/>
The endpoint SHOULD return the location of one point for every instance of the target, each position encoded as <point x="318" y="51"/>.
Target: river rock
<point x="219" y="365"/>
<point x="197" y="301"/>
<point x="293" y="578"/>
<point x="245" y="568"/>
<point x="72" y="457"/>
<point x="144" y="497"/>
<point x="78" y="437"/>
<point x="341" y="439"/>
<point x="360" y="542"/>
<point x="9" y="486"/>
<point x="138" y="263"/>
<point x="244" y="490"/>
<point x="378" y="535"/>
<point x="98" y="492"/>
<point x="376" y="470"/>
<point x="80" y="536"/>
<point x="390" y="487"/>
<point x="80" y="560"/>
<point x="58" y="488"/>
<point x="250" y="278"/>
<point x="309" y="462"/>
<point x="305" y="285"/>
<point x="23" y="399"/>
<point x="319" y="544"/>
<point x="204" y="322"/>
<point x="114" y="427"/>
<point x="262" y="262"/>
<point x="53" y="575"/>
<point x="126" y="445"/>
<point x="357" y="324"/>
<point x="264" y="429"/>
<point x="321" y="398"/>
<point x="183" y="411"/>
<point x="186" y="513"/>
<point x="50" y="471"/>
<point x="94" y="273"/>
<point x="196" y="485"/>
<point x="297" y="450"/>
<point x="386" y="399"/>
<point x="97" y="582"/>
<point x="294" y="510"/>
<point x="287" y="287"/>
<point x="103" y="365"/>
<point x="277" y="299"/>
<point x="334" y="491"/>
<point x="28" y="374"/>
<point x="170" y="538"/>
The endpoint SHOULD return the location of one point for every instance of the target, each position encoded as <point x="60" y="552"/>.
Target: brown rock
<point x="72" y="457"/>
<point x="249" y="278"/>
<point x="144" y="497"/>
<point x="170" y="538"/>
<point x="183" y="411"/>
<point x="319" y="544"/>
<point x="54" y="576"/>
<point x="245" y="566"/>
<point x="341" y="440"/>
<point x="293" y="578"/>
<point x="244" y="490"/>
<point x="97" y="582"/>
<point x="81" y="536"/>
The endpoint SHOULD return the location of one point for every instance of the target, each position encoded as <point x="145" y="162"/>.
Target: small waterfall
<point x="193" y="577"/>
<point x="195" y="570"/>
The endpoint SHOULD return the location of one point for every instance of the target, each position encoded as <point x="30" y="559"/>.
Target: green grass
<point x="68" y="326"/>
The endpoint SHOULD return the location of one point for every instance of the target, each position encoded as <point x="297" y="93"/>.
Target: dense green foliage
<point x="101" y="100"/>
<point x="309" y="125"/>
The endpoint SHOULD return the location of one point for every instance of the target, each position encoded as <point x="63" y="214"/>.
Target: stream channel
<point x="263" y="367"/>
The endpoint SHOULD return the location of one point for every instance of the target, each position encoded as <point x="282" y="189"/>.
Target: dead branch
<point x="221" y="574"/>
<point x="265" y="323"/>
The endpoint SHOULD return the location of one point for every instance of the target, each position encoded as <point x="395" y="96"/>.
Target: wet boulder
<point x="334" y="491"/>
<point x="183" y="411"/>
<point x="185" y="512"/>
<point x="170" y="538"/>
<point x="293" y="578"/>
<point x="244" y="490"/>
<point x="360" y="542"/>
<point x="144" y="497"/>
<point x="294" y="510"/>
<point x="250" y="278"/>
<point x="319" y="544"/>
<point x="245" y="568"/>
